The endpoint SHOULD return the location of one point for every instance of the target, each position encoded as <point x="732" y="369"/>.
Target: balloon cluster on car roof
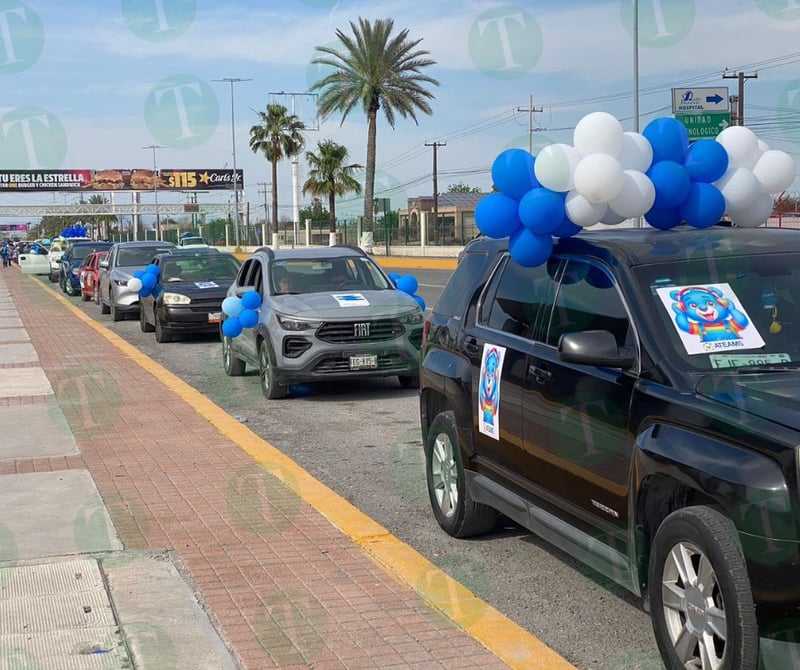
<point x="609" y="175"/>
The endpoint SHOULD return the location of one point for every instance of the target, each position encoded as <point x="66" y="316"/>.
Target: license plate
<point x="363" y="362"/>
<point x="214" y="317"/>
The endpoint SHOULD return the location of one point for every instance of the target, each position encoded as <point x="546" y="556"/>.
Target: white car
<point x="35" y="261"/>
<point x="57" y="249"/>
<point x="192" y="242"/>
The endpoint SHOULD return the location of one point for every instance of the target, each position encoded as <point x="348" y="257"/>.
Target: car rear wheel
<point x="116" y="315"/>
<point x="52" y="277"/>
<point x="85" y="297"/>
<point x="144" y="325"/>
<point x="454" y="509"/>
<point x="162" y="334"/>
<point x="234" y="367"/>
<point x="408" y="381"/>
<point x="105" y="308"/>
<point x="701" y="602"/>
<point x="96" y="294"/>
<point x="266" y="372"/>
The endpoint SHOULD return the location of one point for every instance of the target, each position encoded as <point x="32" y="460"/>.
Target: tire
<point x="144" y="325"/>
<point x="266" y="373"/>
<point x="162" y="334"/>
<point x="234" y="367"/>
<point x="96" y="294"/>
<point x="116" y="315"/>
<point x="701" y="542"/>
<point x="408" y="381"/>
<point x="105" y="308"/>
<point x="85" y="297"/>
<point x="456" y="512"/>
<point x="52" y="277"/>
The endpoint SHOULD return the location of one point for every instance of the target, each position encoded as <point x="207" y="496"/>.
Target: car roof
<point x="641" y="246"/>
<point x="92" y="243"/>
<point x="195" y="253"/>
<point x="144" y="243"/>
<point x="313" y="253"/>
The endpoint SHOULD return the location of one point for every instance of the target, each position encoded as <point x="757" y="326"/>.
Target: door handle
<point x="540" y="375"/>
<point x="471" y="346"/>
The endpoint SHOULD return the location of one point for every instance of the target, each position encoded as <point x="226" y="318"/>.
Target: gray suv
<point x="123" y="259"/>
<point x="327" y="314"/>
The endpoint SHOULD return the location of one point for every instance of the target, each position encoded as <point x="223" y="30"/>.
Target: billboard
<point x="205" y="179"/>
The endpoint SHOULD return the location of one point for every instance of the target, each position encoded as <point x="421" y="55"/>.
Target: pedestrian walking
<point x="5" y="252"/>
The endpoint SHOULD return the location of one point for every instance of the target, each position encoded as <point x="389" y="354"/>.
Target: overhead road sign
<point x="712" y="99"/>
<point x="704" y="126"/>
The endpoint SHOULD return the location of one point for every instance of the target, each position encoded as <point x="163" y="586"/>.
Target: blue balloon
<point x="248" y="318"/>
<point x="567" y="229"/>
<point x="529" y="249"/>
<point x="232" y="305"/>
<point x="512" y="173"/>
<point x="704" y="206"/>
<point x="669" y="139"/>
<point x="663" y="219"/>
<point x="497" y="215"/>
<point x="407" y="284"/>
<point x="149" y="280"/>
<point x="671" y="182"/>
<point x="152" y="269"/>
<point x="394" y="276"/>
<point x="541" y="210"/>
<point x="420" y="301"/>
<point x="145" y="292"/>
<point x="231" y="327"/>
<point x="251" y="300"/>
<point x="707" y="160"/>
<point x="138" y="274"/>
<point x="299" y="390"/>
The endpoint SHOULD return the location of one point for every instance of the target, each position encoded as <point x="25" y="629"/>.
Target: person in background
<point x="5" y="252"/>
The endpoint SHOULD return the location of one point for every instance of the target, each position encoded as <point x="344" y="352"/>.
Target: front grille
<point x="386" y="362"/>
<point x="294" y="347"/>
<point x="343" y="332"/>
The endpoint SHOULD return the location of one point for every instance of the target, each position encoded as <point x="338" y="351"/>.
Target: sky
<point x="97" y="81"/>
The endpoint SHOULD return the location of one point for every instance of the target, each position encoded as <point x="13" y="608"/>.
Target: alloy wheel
<point x="444" y="472"/>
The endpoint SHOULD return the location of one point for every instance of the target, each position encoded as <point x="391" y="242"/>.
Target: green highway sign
<point x="703" y="126"/>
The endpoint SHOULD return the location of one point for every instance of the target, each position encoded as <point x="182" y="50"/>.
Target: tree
<point x="278" y="136"/>
<point x="374" y="69"/>
<point x="315" y="211"/>
<point x="330" y="175"/>
<point x="101" y="223"/>
<point x="461" y="187"/>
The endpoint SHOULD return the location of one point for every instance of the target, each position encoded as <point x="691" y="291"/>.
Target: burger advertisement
<point x="119" y="180"/>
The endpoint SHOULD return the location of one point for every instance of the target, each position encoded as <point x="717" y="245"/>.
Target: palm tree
<point x="101" y="222"/>
<point x="372" y="69"/>
<point x="331" y="175"/>
<point x="278" y="136"/>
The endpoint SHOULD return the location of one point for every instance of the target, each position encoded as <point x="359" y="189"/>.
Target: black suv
<point x="636" y="402"/>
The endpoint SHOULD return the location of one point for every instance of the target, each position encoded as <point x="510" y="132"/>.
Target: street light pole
<point x="232" y="81"/>
<point x="155" y="187"/>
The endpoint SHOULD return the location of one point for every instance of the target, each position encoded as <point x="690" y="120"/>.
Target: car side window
<point x="588" y="299"/>
<point x="515" y="296"/>
<point x="244" y="271"/>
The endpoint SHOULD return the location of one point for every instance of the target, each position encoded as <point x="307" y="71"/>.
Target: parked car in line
<point x="636" y="402"/>
<point x="57" y="247"/>
<point x="123" y="259"/>
<point x="34" y="261"/>
<point x="192" y="241"/>
<point x="89" y="276"/>
<point x="71" y="260"/>
<point x="327" y="314"/>
<point x="193" y="282"/>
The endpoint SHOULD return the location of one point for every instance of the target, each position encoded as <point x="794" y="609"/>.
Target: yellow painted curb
<point x="507" y="640"/>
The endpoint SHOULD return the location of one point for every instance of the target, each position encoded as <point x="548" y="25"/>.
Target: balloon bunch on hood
<point x="610" y="175"/>
<point x="408" y="284"/>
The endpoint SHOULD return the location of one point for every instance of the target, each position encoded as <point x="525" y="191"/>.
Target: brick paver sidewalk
<point x="286" y="587"/>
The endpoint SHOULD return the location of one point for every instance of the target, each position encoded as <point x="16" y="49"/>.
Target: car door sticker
<point x="709" y="318"/>
<point x="206" y="284"/>
<point x="350" y="299"/>
<point x="489" y="390"/>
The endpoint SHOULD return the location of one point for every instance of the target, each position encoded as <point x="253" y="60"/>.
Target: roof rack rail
<point x="353" y="247"/>
<point x="270" y="253"/>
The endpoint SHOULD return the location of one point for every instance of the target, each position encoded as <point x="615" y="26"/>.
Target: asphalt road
<point x="363" y="441"/>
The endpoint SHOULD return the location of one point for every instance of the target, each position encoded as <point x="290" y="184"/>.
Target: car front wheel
<point x="162" y="334"/>
<point x="144" y="325"/>
<point x="454" y="509"/>
<point x="104" y="306"/>
<point x="96" y="294"/>
<point x="234" y="367"/>
<point x="701" y="603"/>
<point x="266" y="371"/>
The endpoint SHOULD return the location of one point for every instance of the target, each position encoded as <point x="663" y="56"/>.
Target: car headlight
<point x="412" y="318"/>
<point x="74" y="271"/>
<point x="289" y="323"/>
<point x="176" y="299"/>
<point x="121" y="282"/>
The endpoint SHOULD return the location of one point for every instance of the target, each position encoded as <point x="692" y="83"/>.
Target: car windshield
<point x="80" y="252"/>
<point x="138" y="256"/>
<point x="309" y="275"/>
<point x="727" y="312"/>
<point x="219" y="267"/>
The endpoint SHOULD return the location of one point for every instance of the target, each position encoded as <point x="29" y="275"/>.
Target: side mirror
<point x="104" y="264"/>
<point x="594" y="347"/>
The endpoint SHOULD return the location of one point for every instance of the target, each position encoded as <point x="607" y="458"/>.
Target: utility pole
<point x="530" y="109"/>
<point x="741" y="76"/>
<point x="264" y="192"/>
<point x="435" y="146"/>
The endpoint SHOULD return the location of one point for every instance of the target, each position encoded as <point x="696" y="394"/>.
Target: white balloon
<point x="741" y="144"/>
<point x="763" y="146"/>
<point x="598" y="133"/>
<point x="582" y="212"/>
<point x="636" y="152"/>
<point x="611" y="218"/>
<point x="739" y="187"/>
<point x="774" y="171"/>
<point x="598" y="177"/>
<point x="555" y="166"/>
<point x="637" y="195"/>
<point x="753" y="216"/>
<point x="135" y="284"/>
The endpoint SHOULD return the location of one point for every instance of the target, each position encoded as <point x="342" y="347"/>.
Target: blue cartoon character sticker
<point x="489" y="390"/>
<point x="709" y="318"/>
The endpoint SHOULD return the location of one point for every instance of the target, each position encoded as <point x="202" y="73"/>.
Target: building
<point x="455" y="225"/>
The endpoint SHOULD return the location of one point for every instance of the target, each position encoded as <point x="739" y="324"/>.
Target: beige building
<point x="456" y="220"/>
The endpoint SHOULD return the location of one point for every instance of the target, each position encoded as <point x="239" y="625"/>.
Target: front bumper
<point x="125" y="299"/>
<point x="190" y="318"/>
